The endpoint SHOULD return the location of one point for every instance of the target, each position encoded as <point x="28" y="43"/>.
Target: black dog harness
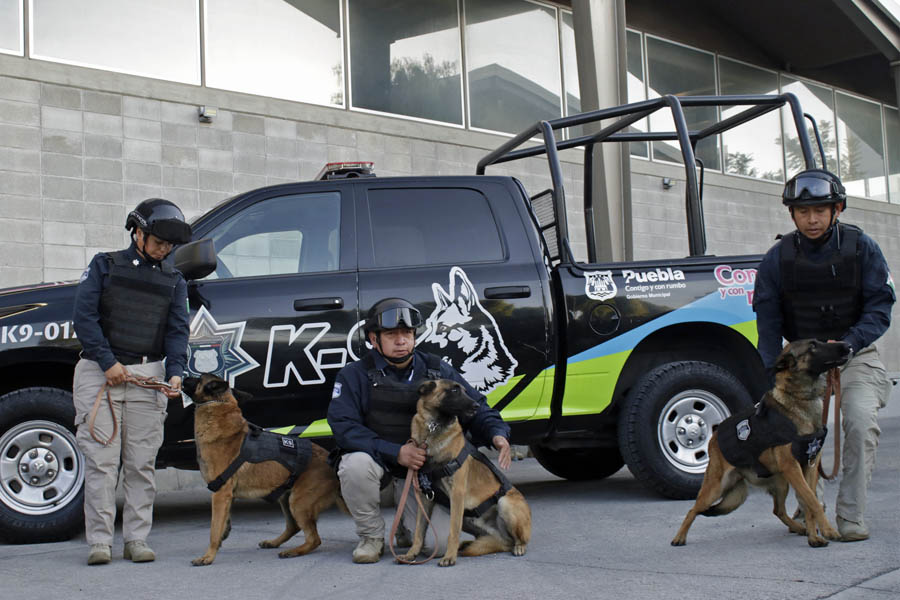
<point x="259" y="446"/>
<point x="427" y="479"/>
<point x="743" y="438"/>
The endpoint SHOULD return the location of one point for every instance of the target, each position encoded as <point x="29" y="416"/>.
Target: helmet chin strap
<point x="393" y="361"/>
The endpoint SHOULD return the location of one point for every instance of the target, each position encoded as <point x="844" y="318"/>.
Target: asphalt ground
<point x="600" y="539"/>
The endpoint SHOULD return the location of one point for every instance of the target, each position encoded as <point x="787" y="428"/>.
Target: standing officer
<point x="130" y="314"/>
<point x="372" y="407"/>
<point x="830" y="281"/>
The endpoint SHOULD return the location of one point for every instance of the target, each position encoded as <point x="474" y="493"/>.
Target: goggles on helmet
<point x="393" y="318"/>
<point x="810" y="187"/>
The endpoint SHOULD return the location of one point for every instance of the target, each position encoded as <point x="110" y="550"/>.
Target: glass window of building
<point x="570" y="69"/>
<point x="753" y="149"/>
<point x="512" y="52"/>
<point x="637" y="91"/>
<point x="405" y="58"/>
<point x="861" y="146"/>
<point x="290" y="50"/>
<point x="892" y="129"/>
<point x="679" y="70"/>
<point x="11" y="31"/>
<point x="818" y="101"/>
<point x="159" y="39"/>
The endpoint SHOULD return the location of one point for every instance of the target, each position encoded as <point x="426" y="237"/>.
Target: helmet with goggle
<point x="814" y="187"/>
<point x="161" y="218"/>
<point x="392" y="313"/>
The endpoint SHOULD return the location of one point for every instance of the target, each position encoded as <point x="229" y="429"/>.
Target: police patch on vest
<point x="336" y="392"/>
<point x="812" y="450"/>
<point x="743" y="430"/>
<point x="288" y="442"/>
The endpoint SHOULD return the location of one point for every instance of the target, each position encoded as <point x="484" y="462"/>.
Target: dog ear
<point x="787" y="360"/>
<point x="427" y="387"/>
<point x="216" y="387"/>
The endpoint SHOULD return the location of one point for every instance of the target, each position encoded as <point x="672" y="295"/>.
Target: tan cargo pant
<point x="360" y="478"/>
<point x="140" y="413"/>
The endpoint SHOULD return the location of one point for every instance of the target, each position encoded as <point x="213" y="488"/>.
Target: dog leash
<point x="412" y="479"/>
<point x="144" y="382"/>
<point x="833" y="385"/>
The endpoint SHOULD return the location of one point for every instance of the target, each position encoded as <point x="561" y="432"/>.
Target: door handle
<point x="505" y="292"/>
<point x="302" y="304"/>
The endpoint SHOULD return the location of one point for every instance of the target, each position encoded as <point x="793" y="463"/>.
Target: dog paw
<point x="817" y="542"/>
<point x="405" y="559"/>
<point x="518" y="550"/>
<point x="679" y="541"/>
<point x="447" y="561"/>
<point x="831" y="533"/>
<point x="202" y="561"/>
<point x="267" y="544"/>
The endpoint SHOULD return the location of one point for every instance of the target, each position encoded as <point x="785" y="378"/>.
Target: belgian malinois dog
<point x="504" y="525"/>
<point x="219" y="432"/>
<point x="798" y="396"/>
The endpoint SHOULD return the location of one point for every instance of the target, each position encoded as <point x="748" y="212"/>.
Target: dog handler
<point x="830" y="281"/>
<point x="130" y="314"/>
<point x="372" y="406"/>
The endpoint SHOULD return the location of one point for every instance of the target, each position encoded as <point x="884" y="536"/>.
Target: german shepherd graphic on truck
<point x="593" y="365"/>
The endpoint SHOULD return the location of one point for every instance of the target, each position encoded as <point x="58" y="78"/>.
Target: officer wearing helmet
<point x="131" y="319"/>
<point x="372" y="406"/>
<point x="830" y="281"/>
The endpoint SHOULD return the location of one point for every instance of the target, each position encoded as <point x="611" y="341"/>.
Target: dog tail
<point x="731" y="499"/>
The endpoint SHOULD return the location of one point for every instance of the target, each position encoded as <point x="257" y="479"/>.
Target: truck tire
<point x="579" y="464"/>
<point x="41" y="468"/>
<point x="667" y="420"/>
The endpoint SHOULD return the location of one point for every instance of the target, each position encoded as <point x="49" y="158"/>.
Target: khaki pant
<point x="360" y="478"/>
<point x="140" y="413"/>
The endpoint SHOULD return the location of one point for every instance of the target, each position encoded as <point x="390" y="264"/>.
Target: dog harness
<point x="821" y="300"/>
<point x="260" y="446"/>
<point x="428" y="479"/>
<point x="743" y="438"/>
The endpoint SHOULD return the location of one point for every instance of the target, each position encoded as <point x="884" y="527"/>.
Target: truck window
<point x="432" y="226"/>
<point x="299" y="233"/>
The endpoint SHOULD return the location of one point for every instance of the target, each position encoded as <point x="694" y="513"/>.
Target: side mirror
<point x="197" y="259"/>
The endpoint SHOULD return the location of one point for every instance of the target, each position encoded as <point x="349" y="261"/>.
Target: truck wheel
<point x="41" y="468"/>
<point x="667" y="420"/>
<point x="579" y="464"/>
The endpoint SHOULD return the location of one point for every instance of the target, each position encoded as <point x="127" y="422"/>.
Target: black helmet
<point x="814" y="187"/>
<point x="392" y="313"/>
<point x="160" y="218"/>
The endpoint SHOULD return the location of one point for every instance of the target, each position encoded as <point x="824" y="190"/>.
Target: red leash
<point x="144" y="382"/>
<point x="411" y="479"/>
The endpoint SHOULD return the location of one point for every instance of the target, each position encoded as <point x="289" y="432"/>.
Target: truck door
<point x="275" y="316"/>
<point x="456" y="248"/>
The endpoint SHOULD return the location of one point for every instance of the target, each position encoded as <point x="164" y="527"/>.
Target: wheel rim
<point x="41" y="468"/>
<point x="685" y="425"/>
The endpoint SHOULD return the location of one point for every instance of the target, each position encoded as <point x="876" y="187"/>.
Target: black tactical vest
<point x="134" y="307"/>
<point x="392" y="403"/>
<point x="821" y="300"/>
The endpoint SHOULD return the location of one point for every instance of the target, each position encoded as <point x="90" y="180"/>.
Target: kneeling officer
<point x="130" y="314"/>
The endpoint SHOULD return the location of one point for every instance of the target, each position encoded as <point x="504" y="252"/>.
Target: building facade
<point x="101" y="101"/>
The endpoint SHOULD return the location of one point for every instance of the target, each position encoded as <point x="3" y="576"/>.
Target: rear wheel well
<point x="706" y="342"/>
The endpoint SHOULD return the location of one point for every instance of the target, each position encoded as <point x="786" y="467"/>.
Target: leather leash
<point x="833" y="385"/>
<point x="144" y="382"/>
<point x="412" y="479"/>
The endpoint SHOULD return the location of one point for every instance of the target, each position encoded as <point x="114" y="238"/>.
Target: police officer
<point x="830" y="281"/>
<point x="130" y="316"/>
<point x="372" y="406"/>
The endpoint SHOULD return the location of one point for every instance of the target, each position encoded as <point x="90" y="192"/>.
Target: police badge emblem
<point x="743" y="430"/>
<point x="599" y="285"/>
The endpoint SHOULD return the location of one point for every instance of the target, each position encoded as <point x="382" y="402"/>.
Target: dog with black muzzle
<point x="481" y="500"/>
<point x="234" y="468"/>
<point x="775" y="445"/>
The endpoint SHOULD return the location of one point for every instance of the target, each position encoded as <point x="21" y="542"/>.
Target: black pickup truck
<point x="593" y="365"/>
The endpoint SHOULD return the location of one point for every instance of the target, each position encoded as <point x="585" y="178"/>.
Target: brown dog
<point x="219" y="432"/>
<point x="503" y="524"/>
<point x="798" y="396"/>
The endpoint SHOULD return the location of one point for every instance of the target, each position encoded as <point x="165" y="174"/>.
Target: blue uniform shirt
<point x="86" y="316"/>
<point x="350" y="403"/>
<point x="878" y="295"/>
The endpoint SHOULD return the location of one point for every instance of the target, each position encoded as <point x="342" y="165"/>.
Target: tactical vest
<point x="392" y="403"/>
<point x="743" y="438"/>
<point x="134" y="307"/>
<point x="821" y="300"/>
<point x="259" y="446"/>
